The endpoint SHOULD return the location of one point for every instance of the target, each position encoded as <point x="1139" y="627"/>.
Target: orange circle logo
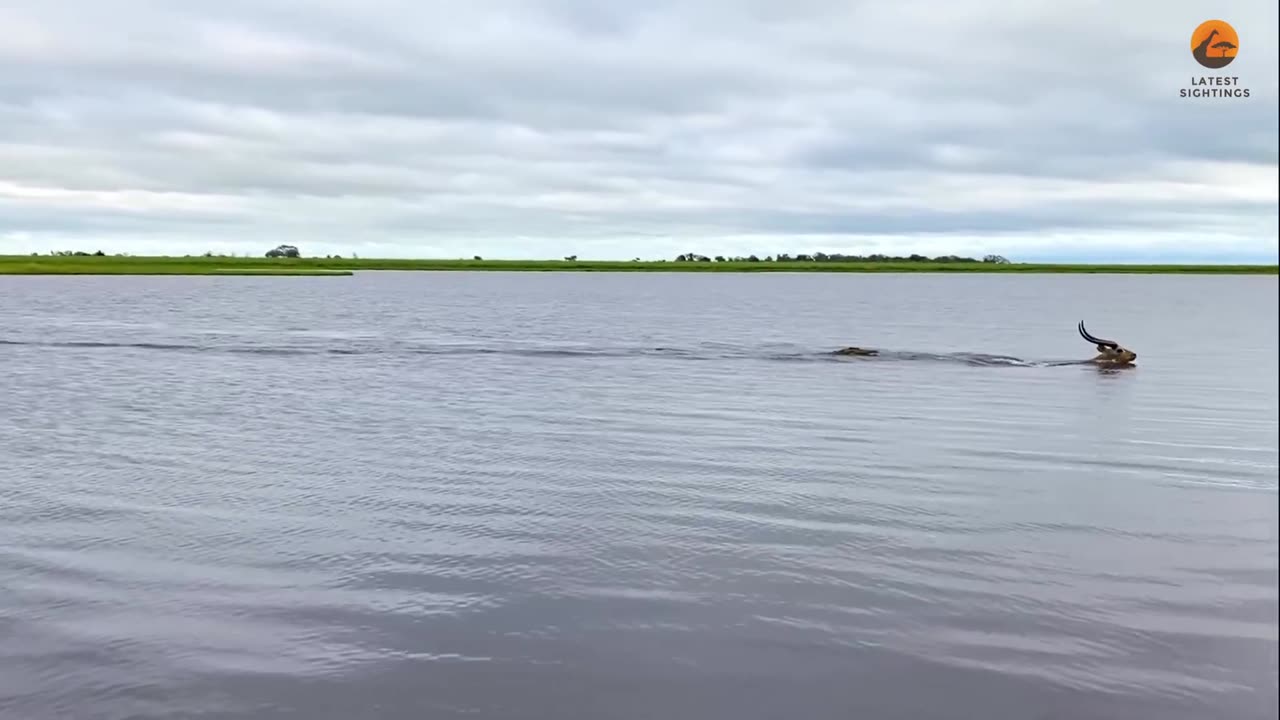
<point x="1214" y="44"/>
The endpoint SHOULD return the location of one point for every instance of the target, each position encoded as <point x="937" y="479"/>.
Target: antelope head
<point x="1109" y="352"/>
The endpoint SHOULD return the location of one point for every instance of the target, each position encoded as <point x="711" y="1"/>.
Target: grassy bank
<point x="114" y="265"/>
<point x="108" y="265"/>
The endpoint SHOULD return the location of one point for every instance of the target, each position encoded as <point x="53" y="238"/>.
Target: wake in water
<point x="706" y="351"/>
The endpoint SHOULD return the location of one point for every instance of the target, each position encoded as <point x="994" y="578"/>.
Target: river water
<point x="491" y="495"/>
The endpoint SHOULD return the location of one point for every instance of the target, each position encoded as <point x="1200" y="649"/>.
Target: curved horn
<point x="1101" y="343"/>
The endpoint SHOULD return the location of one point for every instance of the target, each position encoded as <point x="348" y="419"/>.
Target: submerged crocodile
<point x="1110" y="354"/>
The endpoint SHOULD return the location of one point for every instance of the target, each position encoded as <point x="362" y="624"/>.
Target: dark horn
<point x="1085" y="334"/>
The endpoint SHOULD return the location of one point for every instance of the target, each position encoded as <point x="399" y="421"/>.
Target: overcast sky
<point x="542" y="128"/>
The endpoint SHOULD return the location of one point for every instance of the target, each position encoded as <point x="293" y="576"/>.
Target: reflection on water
<point x="527" y="496"/>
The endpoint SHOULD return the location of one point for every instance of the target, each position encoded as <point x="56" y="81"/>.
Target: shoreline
<point x="338" y="267"/>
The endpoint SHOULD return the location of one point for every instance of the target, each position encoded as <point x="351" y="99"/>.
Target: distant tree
<point x="571" y="258"/>
<point x="998" y="259"/>
<point x="477" y="257"/>
<point x="834" y="257"/>
<point x="283" y="251"/>
<point x="99" y="253"/>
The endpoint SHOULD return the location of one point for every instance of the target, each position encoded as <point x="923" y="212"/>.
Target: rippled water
<point x="636" y="496"/>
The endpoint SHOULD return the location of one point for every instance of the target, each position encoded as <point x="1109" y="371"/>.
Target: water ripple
<point x="446" y="495"/>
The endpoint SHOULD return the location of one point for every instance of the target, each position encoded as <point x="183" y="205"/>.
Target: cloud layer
<point x="540" y="128"/>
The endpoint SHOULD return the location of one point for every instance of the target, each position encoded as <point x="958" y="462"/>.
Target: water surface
<point x="491" y="495"/>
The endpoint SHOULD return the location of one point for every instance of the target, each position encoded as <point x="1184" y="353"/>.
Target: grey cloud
<point x="629" y="128"/>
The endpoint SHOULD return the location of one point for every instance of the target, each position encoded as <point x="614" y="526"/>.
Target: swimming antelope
<point x="1109" y="352"/>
